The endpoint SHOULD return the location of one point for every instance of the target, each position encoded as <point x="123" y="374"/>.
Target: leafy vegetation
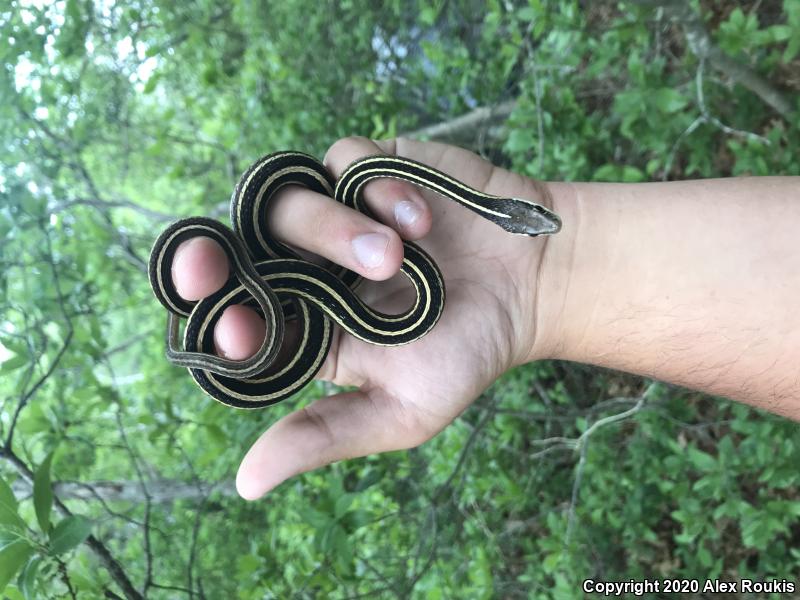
<point x="116" y="471"/>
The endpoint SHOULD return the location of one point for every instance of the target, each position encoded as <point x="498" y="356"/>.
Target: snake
<point x="282" y="286"/>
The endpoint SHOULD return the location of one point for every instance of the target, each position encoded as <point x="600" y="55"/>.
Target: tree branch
<point x="107" y="204"/>
<point x="25" y="398"/>
<point x="702" y="46"/>
<point x="464" y="125"/>
<point x="109" y="562"/>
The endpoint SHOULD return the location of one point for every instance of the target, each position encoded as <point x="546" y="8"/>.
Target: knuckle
<point x="321" y="221"/>
<point x="413" y="428"/>
<point x="389" y="145"/>
<point x="388" y="191"/>
<point x="345" y="146"/>
<point x="318" y="422"/>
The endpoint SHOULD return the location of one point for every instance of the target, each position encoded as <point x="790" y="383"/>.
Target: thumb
<point x="331" y="429"/>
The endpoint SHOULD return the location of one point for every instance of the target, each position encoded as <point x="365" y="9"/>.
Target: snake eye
<point x="529" y="218"/>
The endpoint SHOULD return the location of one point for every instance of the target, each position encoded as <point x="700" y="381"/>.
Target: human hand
<point x="406" y="394"/>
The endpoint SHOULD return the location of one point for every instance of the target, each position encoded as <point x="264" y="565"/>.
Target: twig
<point x="109" y="562"/>
<point x="701" y="45"/>
<point x="537" y="87"/>
<point x="581" y="444"/>
<point x="576" y="485"/>
<point x="464" y="453"/>
<point x="62" y="569"/>
<point x="464" y="124"/>
<point x="195" y="527"/>
<point x="129" y="342"/>
<point x="433" y="531"/>
<point x="705" y="117"/>
<point x="108" y="204"/>
<point x="714" y="120"/>
<point x="175" y="588"/>
<point x="148" y="550"/>
<point x="23" y="402"/>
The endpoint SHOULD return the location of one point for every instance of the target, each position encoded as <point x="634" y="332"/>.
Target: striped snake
<point x="281" y="286"/>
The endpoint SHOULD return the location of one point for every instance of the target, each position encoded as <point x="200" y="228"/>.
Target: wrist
<point x="552" y="275"/>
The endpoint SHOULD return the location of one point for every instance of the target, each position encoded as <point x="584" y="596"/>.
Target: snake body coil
<point x="280" y="285"/>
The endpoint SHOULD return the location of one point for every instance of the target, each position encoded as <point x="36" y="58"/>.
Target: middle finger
<point x="305" y="219"/>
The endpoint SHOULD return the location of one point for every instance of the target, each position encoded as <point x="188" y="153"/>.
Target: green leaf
<point x="12" y="557"/>
<point x="792" y="48"/>
<point x="606" y="173"/>
<point x="69" y="533"/>
<point x="342" y="547"/>
<point x="521" y="140"/>
<point x="652" y="166"/>
<point x="151" y="84"/>
<point x="780" y="33"/>
<point x="632" y="174"/>
<point x="7" y="497"/>
<point x="371" y="477"/>
<point x="702" y="460"/>
<point x="550" y="562"/>
<point x="247" y="564"/>
<point x="737" y="17"/>
<point x="13" y="363"/>
<point x="668" y="100"/>
<point x="427" y="15"/>
<point x="43" y="494"/>
<point x="343" y="502"/>
<point x="12" y="593"/>
<point x="8" y="507"/>
<point x="216" y="433"/>
<point x="27" y="579"/>
<point x="314" y="518"/>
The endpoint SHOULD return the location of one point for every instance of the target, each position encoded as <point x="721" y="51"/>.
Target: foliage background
<point x="117" y="117"/>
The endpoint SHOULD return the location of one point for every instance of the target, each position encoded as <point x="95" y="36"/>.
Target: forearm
<point x="695" y="283"/>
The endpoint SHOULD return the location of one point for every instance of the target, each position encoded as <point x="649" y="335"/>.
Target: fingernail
<point x="406" y="213"/>
<point x="370" y="249"/>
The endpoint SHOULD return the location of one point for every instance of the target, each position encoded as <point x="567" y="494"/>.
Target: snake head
<point x="528" y="218"/>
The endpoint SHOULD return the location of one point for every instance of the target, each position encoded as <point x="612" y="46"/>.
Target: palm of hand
<point x="407" y="394"/>
<point x="432" y="380"/>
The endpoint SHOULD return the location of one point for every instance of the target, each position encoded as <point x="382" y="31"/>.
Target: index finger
<point x="396" y="204"/>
